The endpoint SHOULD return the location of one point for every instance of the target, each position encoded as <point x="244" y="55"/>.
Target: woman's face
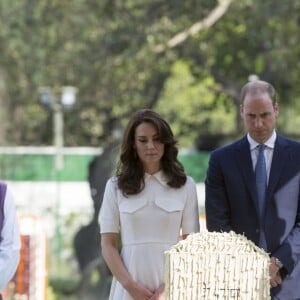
<point x="148" y="147"/>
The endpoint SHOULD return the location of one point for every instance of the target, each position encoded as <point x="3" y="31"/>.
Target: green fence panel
<point x="33" y="167"/>
<point x="195" y="164"/>
<point x="40" y="167"/>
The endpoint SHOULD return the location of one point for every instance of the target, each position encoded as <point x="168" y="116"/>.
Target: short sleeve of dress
<point x="109" y="219"/>
<point x="190" y="218"/>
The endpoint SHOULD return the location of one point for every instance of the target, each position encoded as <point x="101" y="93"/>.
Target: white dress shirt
<point x="10" y="243"/>
<point x="270" y="143"/>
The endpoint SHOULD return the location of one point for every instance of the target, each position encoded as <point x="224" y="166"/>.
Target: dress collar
<point x="269" y="143"/>
<point x="159" y="176"/>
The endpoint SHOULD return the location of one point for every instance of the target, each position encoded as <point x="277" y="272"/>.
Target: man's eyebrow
<point x="254" y="114"/>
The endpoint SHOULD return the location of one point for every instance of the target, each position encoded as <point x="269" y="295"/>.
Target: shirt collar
<point x="269" y="143"/>
<point x="159" y="176"/>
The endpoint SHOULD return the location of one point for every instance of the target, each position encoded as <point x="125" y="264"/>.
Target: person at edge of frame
<point x="10" y="243"/>
<point x="231" y="196"/>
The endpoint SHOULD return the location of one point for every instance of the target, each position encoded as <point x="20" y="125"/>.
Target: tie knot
<point x="261" y="147"/>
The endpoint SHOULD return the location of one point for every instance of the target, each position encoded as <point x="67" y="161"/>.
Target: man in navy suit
<point x="231" y="199"/>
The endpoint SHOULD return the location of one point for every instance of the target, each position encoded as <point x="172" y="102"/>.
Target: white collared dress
<point x="149" y="224"/>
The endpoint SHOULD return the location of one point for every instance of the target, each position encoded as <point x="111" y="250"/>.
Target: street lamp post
<point x="50" y="100"/>
<point x="58" y="130"/>
<point x="57" y="104"/>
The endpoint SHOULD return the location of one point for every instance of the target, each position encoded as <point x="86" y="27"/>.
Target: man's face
<point x="259" y="116"/>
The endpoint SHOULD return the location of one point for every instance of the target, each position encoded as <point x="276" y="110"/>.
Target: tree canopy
<point x="187" y="59"/>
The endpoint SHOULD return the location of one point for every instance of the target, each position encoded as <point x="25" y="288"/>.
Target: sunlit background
<point x="72" y="72"/>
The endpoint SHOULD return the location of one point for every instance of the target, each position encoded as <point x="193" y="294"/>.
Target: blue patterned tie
<point x="261" y="186"/>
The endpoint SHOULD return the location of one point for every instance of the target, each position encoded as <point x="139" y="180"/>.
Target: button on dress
<point x="149" y="224"/>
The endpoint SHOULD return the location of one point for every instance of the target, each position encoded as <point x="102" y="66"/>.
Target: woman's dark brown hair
<point x="130" y="171"/>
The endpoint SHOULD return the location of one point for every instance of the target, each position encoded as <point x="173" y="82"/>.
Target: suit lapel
<point x="280" y="156"/>
<point x="246" y="167"/>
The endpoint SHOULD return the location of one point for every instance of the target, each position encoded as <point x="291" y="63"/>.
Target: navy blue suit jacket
<point x="230" y="203"/>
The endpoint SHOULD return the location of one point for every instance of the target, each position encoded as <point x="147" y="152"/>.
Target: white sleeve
<point x="109" y="217"/>
<point x="10" y="241"/>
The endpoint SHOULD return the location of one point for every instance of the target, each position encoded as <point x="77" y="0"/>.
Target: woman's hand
<point x="138" y="291"/>
<point x="159" y="293"/>
<point x="109" y="245"/>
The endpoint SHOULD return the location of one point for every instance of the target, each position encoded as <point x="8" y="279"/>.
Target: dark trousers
<point x="1" y="297"/>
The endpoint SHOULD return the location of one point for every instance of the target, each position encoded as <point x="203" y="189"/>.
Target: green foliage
<point x="106" y="49"/>
<point x="192" y="106"/>
<point x="63" y="288"/>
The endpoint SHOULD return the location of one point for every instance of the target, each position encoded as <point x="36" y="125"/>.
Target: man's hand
<point x="275" y="278"/>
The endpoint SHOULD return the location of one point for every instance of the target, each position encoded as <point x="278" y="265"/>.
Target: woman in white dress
<point x="151" y="203"/>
